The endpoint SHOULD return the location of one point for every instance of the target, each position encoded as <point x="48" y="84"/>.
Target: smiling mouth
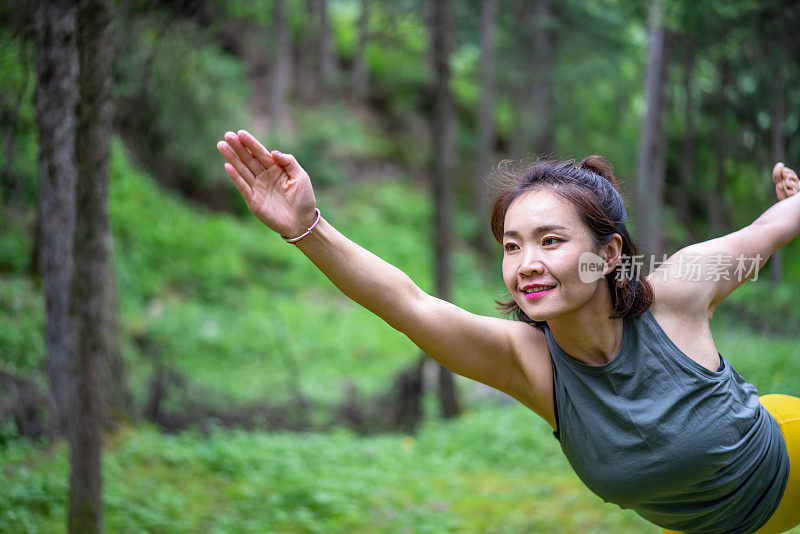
<point x="536" y="289"/>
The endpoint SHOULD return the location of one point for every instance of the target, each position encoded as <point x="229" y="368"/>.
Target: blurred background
<point x="237" y="390"/>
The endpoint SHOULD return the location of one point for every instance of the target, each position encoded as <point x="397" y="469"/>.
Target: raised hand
<point x="786" y="182"/>
<point x="275" y="187"/>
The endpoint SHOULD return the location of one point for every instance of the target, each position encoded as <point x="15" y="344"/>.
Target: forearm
<point x="365" y="278"/>
<point x="781" y="222"/>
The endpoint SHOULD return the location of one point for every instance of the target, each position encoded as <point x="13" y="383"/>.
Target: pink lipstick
<point x="538" y="294"/>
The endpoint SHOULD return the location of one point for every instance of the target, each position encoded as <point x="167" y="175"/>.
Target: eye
<point x="508" y="247"/>
<point x="550" y="240"/>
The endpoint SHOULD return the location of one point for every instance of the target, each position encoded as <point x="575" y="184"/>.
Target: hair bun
<point x="600" y="166"/>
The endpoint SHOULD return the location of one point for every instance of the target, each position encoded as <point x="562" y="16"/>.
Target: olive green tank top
<point x="685" y="447"/>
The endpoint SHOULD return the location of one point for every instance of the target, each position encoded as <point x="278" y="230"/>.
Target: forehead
<point x="535" y="209"/>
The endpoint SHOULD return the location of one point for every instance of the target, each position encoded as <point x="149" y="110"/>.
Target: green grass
<point x="495" y="470"/>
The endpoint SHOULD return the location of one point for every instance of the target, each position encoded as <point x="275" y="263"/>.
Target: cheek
<point x="508" y="274"/>
<point x="563" y="267"/>
<point x="566" y="271"/>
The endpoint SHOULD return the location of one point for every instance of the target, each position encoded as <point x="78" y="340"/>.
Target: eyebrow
<point x="538" y="230"/>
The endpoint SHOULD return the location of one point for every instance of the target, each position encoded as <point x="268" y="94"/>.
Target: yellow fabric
<point x="786" y="411"/>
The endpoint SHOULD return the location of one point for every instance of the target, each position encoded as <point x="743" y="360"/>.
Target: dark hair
<point x="591" y="187"/>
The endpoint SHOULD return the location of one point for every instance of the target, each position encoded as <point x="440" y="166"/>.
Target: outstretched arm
<point x="725" y="263"/>
<point x="278" y="191"/>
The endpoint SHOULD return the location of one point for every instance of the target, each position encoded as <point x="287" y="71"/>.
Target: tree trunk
<point x="648" y="203"/>
<point x="660" y="147"/>
<point x="716" y="204"/>
<point x="428" y="8"/>
<point x="683" y="195"/>
<point x="519" y="140"/>
<point x="56" y="101"/>
<point x="282" y="68"/>
<point x="92" y="254"/>
<point x="327" y="61"/>
<point x="486" y="132"/>
<point x="778" y="153"/>
<point x="360" y="76"/>
<point x="443" y="129"/>
<point x="406" y="398"/>
<point x="540" y="121"/>
<point x="307" y="75"/>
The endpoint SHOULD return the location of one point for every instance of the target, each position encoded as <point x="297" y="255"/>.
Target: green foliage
<point x="344" y="22"/>
<point x="329" y="141"/>
<point x="258" y="12"/>
<point x="177" y="94"/>
<point x="395" y="56"/>
<point x="230" y="305"/>
<point x="465" y="68"/>
<point x="499" y="466"/>
<point x="598" y="104"/>
<point x="19" y="154"/>
<point x="21" y="326"/>
<point x="34" y="503"/>
<point x="164" y="246"/>
<point x="16" y="230"/>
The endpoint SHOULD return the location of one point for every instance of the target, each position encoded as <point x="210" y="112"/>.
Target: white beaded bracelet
<point x="310" y="228"/>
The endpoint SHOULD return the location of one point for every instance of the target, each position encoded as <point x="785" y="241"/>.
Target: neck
<point x="588" y="335"/>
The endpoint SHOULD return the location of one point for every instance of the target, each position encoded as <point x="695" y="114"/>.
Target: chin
<point x="540" y="318"/>
<point x="545" y="314"/>
<point x="538" y="315"/>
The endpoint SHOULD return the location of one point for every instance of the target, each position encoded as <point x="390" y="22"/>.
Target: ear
<point x="611" y="253"/>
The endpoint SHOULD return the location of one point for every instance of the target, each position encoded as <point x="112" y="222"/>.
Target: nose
<point x="530" y="263"/>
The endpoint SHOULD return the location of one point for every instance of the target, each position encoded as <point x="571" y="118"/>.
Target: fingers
<point x="790" y="182"/>
<point x="252" y="144"/>
<point x="777" y="173"/>
<point x="288" y="162"/>
<point x="244" y="154"/>
<point x="244" y="188"/>
<point x="786" y="182"/>
<point x="235" y="161"/>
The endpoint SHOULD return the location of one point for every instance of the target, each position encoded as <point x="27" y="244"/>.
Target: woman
<point x="622" y="367"/>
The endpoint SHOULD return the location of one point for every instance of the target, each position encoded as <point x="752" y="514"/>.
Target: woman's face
<point x="543" y="241"/>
